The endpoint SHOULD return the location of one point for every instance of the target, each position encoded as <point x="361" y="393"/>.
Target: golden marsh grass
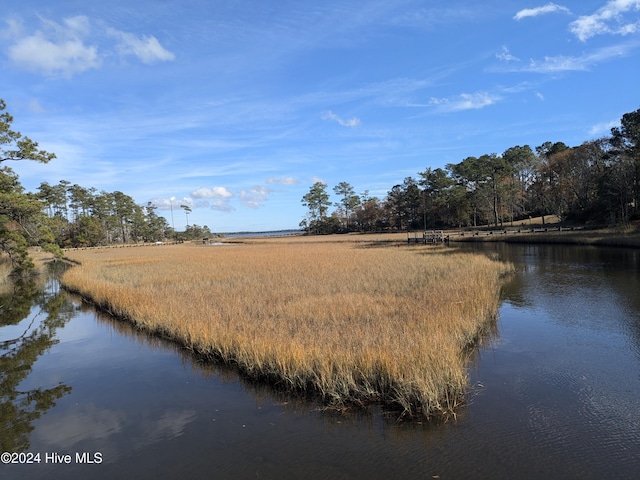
<point x="354" y="325"/>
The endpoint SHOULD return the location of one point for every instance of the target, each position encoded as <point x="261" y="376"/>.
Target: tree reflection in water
<point x="42" y="310"/>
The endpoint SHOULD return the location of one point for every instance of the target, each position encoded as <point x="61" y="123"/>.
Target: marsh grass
<point x="352" y="325"/>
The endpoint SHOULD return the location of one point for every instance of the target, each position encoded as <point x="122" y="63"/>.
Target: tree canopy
<point x="597" y="182"/>
<point x="21" y="218"/>
<point x="16" y="147"/>
<point x="66" y="215"/>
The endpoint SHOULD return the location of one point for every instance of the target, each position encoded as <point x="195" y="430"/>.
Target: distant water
<point x="273" y="233"/>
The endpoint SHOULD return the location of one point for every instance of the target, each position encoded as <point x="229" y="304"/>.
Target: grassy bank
<point x="607" y="237"/>
<point x="351" y="324"/>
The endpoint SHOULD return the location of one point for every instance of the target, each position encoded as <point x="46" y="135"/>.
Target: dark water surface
<point x="557" y="394"/>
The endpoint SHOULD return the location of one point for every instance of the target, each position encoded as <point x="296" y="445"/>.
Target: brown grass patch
<point x="354" y="325"/>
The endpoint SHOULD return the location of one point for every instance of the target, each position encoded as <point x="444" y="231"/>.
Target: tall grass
<point x="354" y="325"/>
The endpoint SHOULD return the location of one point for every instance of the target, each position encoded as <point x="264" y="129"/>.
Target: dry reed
<point x="354" y="325"/>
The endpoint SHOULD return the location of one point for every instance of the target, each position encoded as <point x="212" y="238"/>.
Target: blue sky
<point x="236" y="107"/>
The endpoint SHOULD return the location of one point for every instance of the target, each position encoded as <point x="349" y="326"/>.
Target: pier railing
<point x="428" y="236"/>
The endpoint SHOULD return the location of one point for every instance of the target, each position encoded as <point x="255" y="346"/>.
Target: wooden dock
<point x="426" y="237"/>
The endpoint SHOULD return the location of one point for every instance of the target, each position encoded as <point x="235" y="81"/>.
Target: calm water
<point x="557" y="394"/>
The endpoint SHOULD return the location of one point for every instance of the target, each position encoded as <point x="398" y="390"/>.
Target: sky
<point x="236" y="107"/>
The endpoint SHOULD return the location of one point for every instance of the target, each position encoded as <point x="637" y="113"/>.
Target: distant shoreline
<point x="606" y="237"/>
<point x="267" y="233"/>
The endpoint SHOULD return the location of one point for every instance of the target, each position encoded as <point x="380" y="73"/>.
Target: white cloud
<point x="255" y="197"/>
<point x="505" y="55"/>
<point x="464" y="101"/>
<point x="171" y="424"/>
<point x="540" y="96"/>
<point x="147" y="49"/>
<point x="79" y="24"/>
<point x="56" y="50"/>
<point x="69" y="48"/>
<point x="86" y="424"/>
<point x="607" y="20"/>
<point x="352" y="122"/>
<point x="172" y="203"/>
<point x="282" y="181"/>
<point x="603" y="128"/>
<point x="187" y="201"/>
<point x="534" y="12"/>
<point x="215" y="192"/>
<point x="13" y="30"/>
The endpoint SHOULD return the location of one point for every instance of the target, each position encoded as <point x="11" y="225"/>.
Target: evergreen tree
<point x="21" y="220"/>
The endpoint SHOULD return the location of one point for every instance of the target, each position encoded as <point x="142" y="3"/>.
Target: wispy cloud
<point x="215" y="192"/>
<point x="146" y="48"/>
<point x="464" y="101"/>
<point x="559" y="63"/>
<point x="543" y="10"/>
<point x="567" y="63"/>
<point x="392" y="92"/>
<point x="222" y="206"/>
<point x="12" y="30"/>
<point x="602" y="129"/>
<point x="506" y="56"/>
<point x="351" y="122"/>
<point x="255" y="197"/>
<point x="71" y="47"/>
<point x="608" y="20"/>
<point x="282" y="181"/>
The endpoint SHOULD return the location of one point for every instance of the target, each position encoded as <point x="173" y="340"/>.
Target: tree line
<point x="65" y="215"/>
<point x="597" y="182"/>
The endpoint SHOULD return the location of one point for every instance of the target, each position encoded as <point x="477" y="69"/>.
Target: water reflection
<point x="569" y="329"/>
<point x="589" y="287"/>
<point x="30" y="315"/>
